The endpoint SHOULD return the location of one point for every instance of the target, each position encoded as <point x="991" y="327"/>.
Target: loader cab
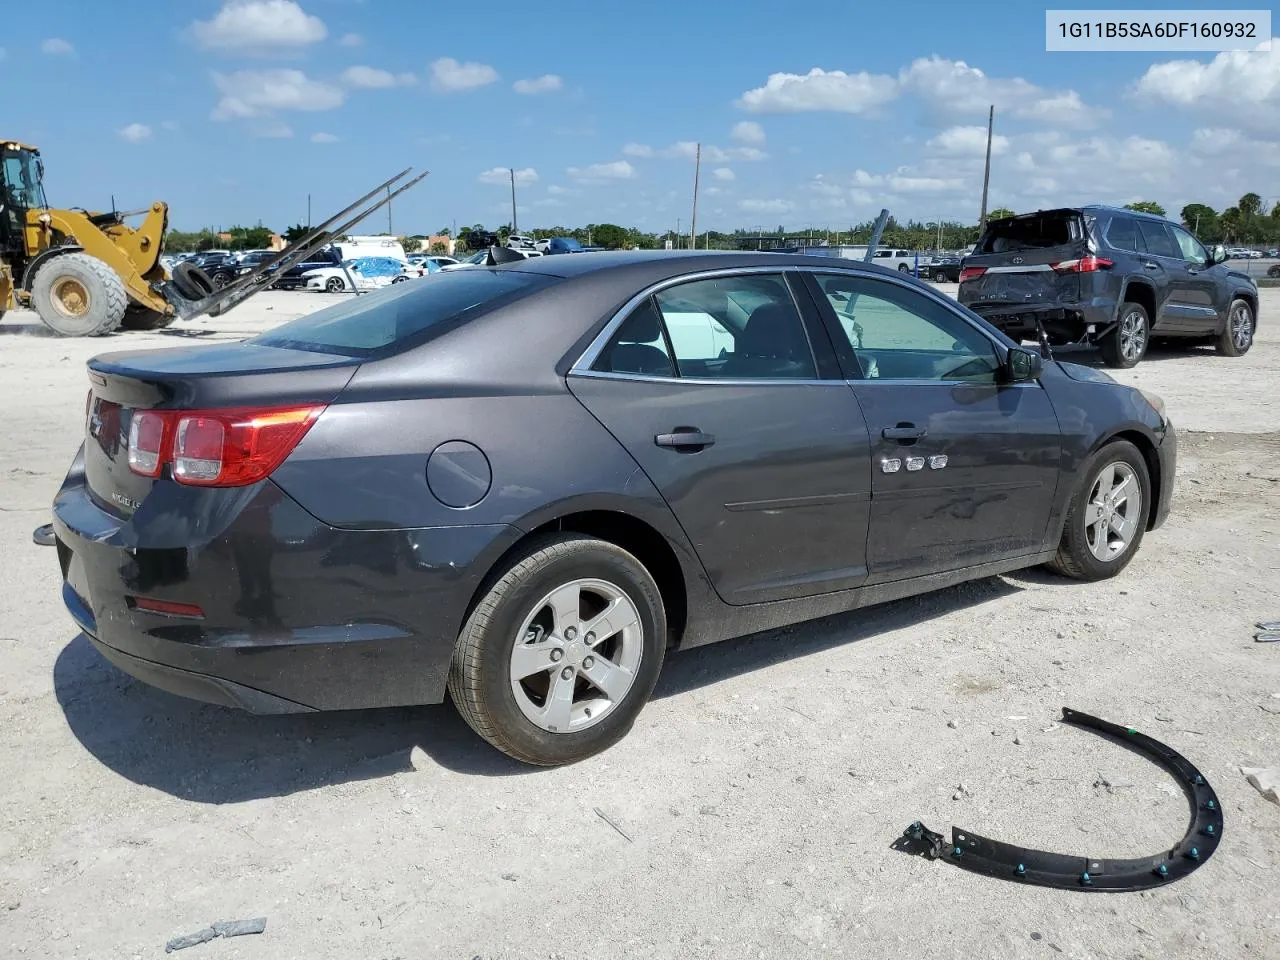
<point x="21" y="189"/>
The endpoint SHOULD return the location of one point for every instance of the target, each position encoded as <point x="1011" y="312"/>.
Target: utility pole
<point x="514" y="227"/>
<point x="308" y="211"/>
<point x="679" y="235"/>
<point x="986" y="174"/>
<point x="693" y="225"/>
<point x="389" y="231"/>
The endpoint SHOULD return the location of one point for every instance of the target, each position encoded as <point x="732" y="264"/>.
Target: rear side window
<point x="1158" y="239"/>
<point x="388" y="319"/>
<point x="1123" y="235"/>
<point x="1053" y="229"/>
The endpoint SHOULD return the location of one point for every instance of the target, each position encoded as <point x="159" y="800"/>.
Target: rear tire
<point x="77" y="295"/>
<point x="1126" y="345"/>
<point x="1237" y="334"/>
<point x="543" y="605"/>
<point x="903" y="268"/>
<point x="1097" y="541"/>
<point x="335" y="285"/>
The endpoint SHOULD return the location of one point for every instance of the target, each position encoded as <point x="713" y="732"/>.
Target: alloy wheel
<point x="576" y="655"/>
<point x="1133" y="336"/>
<point x="1114" y="510"/>
<point x="1242" y="326"/>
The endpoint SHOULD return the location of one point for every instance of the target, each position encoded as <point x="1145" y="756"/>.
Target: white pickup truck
<point x="904" y="261"/>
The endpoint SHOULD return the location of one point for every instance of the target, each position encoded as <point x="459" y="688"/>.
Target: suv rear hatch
<point x="1031" y="260"/>
<point x="253" y="380"/>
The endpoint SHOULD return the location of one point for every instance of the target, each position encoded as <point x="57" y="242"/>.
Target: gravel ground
<point x="751" y="811"/>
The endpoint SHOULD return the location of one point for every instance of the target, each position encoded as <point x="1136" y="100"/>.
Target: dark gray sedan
<point x="526" y="484"/>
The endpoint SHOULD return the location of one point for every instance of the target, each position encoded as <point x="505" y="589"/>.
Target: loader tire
<point x="77" y="295"/>
<point x="138" y="317"/>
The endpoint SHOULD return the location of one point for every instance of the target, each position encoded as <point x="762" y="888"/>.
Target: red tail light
<point x="1083" y="265"/>
<point x="166" y="608"/>
<point x="217" y="448"/>
<point x="971" y="273"/>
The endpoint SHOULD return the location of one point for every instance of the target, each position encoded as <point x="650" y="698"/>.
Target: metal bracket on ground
<point x="1006" y="861"/>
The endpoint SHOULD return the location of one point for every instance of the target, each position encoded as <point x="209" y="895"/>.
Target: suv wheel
<point x="1125" y="345"/>
<point x="903" y="268"/>
<point x="560" y="655"/>
<point x="1237" y="336"/>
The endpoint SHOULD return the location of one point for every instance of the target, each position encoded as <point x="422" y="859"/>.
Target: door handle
<point x="1151" y="266"/>
<point x="685" y="439"/>
<point x="904" y="431"/>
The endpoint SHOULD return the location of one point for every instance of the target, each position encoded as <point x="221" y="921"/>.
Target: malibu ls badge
<point x="126" y="502"/>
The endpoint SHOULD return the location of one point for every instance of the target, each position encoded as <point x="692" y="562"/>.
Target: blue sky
<point x="810" y="114"/>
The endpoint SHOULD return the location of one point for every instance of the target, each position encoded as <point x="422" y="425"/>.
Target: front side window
<point x="733" y="328"/>
<point x="1190" y="247"/>
<point x="899" y="334"/>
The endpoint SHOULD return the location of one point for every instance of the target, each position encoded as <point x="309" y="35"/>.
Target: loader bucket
<point x="261" y="277"/>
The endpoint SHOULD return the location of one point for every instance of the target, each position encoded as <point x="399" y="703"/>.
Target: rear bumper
<point x="1069" y="322"/>
<point x="297" y="615"/>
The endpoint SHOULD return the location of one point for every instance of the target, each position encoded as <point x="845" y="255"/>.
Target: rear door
<point x="1012" y="265"/>
<point x="1163" y="265"/>
<point x="715" y="388"/>
<point x="964" y="467"/>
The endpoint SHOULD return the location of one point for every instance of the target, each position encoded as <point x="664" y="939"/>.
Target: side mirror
<point x="1218" y="255"/>
<point x="1022" y="365"/>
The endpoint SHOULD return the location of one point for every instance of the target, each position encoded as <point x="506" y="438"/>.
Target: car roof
<point x="650" y="266"/>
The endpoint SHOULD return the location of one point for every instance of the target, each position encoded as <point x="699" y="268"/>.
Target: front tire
<point x="562" y="652"/>
<point x="77" y="295"/>
<point x="1237" y="335"/>
<point x="1107" y="515"/>
<point x="1125" y="345"/>
<point x="335" y="285"/>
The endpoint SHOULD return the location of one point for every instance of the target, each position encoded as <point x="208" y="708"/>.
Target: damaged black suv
<point x="1110" y="277"/>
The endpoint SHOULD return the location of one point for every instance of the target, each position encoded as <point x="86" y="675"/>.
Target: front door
<point x="964" y="468"/>
<point x="712" y="387"/>
<point x="1200" y="285"/>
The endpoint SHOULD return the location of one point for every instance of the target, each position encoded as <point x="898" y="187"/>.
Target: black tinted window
<point x="1159" y="239"/>
<point x="379" y="322"/>
<point x="1053" y="229"/>
<point x="1123" y="234"/>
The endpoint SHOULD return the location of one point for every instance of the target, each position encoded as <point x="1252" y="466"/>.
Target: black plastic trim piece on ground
<point x="1041" y="868"/>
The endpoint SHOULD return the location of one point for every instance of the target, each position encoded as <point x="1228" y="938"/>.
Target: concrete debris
<point x="951" y="724"/>
<point x="1266" y="780"/>
<point x="223" y="928"/>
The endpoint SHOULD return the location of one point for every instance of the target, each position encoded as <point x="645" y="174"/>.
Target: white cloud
<point x="171" y="125"/>
<point x="502" y="175"/>
<point x="322" y="137"/>
<point x="548" y="202"/>
<point x="952" y="87"/>
<point x="256" y="93"/>
<point x="556" y="190"/>
<point x="766" y="206"/>
<point x="450" y="76"/>
<point x="832" y="90"/>
<point x="259" y="27"/>
<point x="617" y="170"/>
<point x="748" y="131"/>
<point x="136" y="133"/>
<point x="968" y="142"/>
<point x="1241" y="84"/>
<point x="637" y="150"/>
<point x="57" y="47"/>
<point x="723" y="173"/>
<point x="351" y="40"/>
<point x="547" y="83"/>
<point x="925" y="184"/>
<point x="371" y="78"/>
<point x="688" y="150"/>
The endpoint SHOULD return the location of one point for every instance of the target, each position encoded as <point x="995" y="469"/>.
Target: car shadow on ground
<point x="210" y="754"/>
<point x="1156" y="352"/>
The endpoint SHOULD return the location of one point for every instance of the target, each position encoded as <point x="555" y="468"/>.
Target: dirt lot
<point x="759" y="793"/>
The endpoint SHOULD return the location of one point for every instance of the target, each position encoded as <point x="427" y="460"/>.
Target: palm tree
<point x="1249" y="205"/>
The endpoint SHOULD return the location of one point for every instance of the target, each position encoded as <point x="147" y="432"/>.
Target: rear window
<point x="1028" y="233"/>
<point x="388" y="319"/>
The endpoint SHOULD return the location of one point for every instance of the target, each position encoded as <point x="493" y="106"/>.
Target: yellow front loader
<point x="87" y="274"/>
